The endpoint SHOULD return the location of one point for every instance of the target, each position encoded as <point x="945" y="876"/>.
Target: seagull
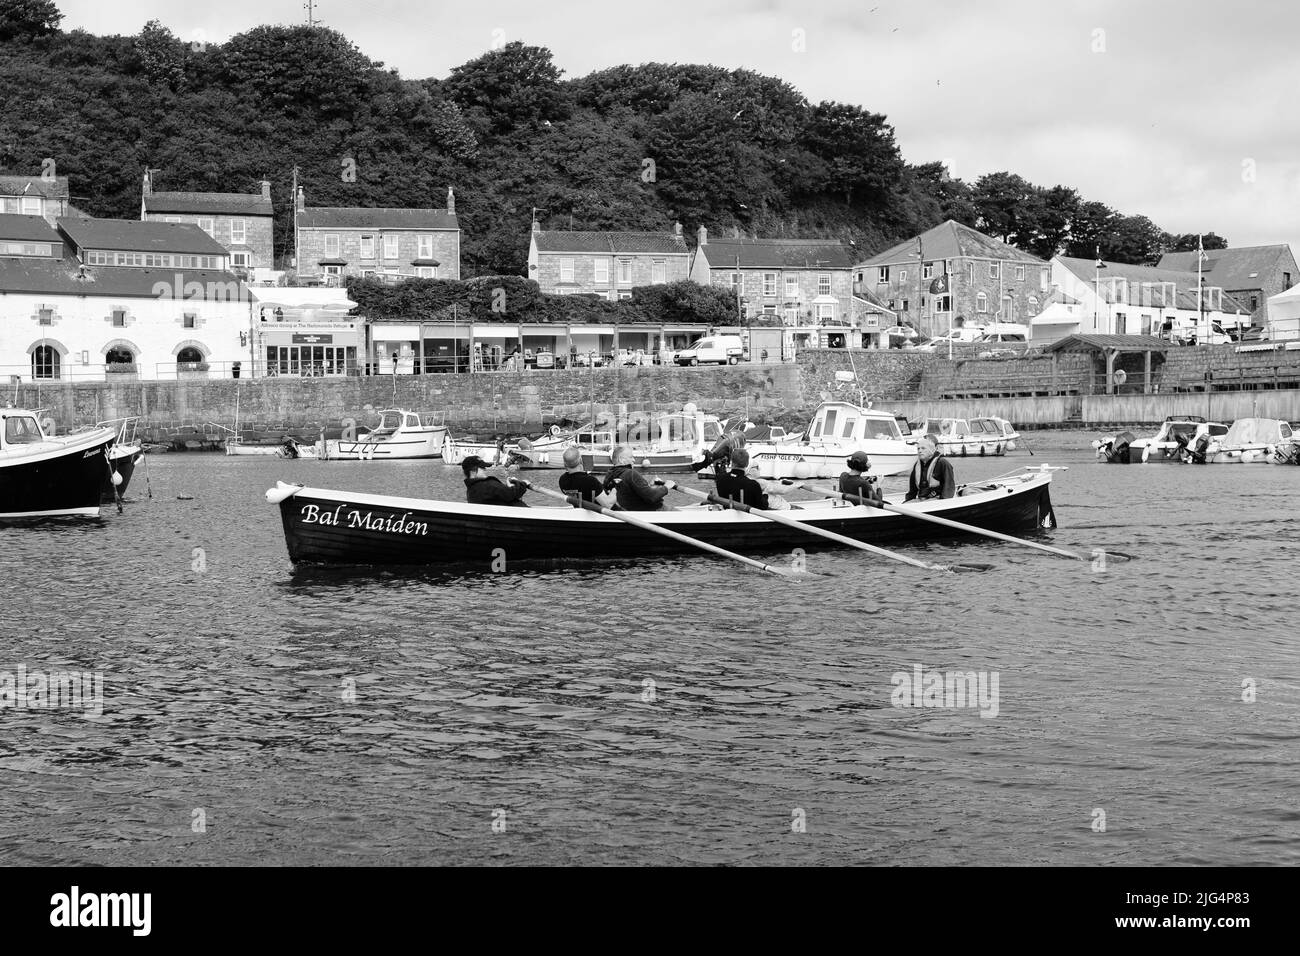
<point x="738" y="112"/>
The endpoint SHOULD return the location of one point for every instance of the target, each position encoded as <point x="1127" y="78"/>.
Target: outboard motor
<point x="1196" y="451"/>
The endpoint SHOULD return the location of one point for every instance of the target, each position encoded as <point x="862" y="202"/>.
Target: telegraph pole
<point x="310" y="7"/>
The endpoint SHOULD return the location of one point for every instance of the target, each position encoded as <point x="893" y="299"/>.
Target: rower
<point x="577" y="481"/>
<point x="737" y="486"/>
<point x="857" y="481"/>
<point x="719" y="456"/>
<point x="932" y="475"/>
<point x="484" y="489"/>
<point x="632" y="491"/>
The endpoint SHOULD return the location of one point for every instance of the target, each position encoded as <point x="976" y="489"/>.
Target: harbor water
<point x="681" y="710"/>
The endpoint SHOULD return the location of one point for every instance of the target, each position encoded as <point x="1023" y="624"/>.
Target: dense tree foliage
<point x="629" y="147"/>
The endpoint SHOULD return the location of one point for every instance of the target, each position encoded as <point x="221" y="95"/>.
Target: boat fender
<point x="555" y="431"/>
<point x="281" y="491"/>
<point x="117" y="479"/>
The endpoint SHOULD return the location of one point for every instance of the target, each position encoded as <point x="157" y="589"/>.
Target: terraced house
<point x="384" y="242"/>
<point x="953" y="275"/>
<point x="99" y="299"/>
<point x="1249" y="274"/>
<point x="607" y="264"/>
<point x="35" y="196"/>
<point x="241" y="222"/>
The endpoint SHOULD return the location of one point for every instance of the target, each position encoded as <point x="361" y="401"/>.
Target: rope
<point x="112" y="473"/>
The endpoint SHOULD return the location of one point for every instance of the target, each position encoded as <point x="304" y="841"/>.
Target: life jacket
<point x="920" y="473"/>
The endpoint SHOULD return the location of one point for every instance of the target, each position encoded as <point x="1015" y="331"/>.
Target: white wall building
<point x="98" y="299"/>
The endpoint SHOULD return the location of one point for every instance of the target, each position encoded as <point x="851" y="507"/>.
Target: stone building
<point x="242" y="222"/>
<point x="608" y="264"/>
<point x="1250" y="274"/>
<point x="35" y="196"/>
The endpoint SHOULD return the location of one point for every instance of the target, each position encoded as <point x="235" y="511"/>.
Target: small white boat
<point x="399" y="434"/>
<point x="960" y="437"/>
<point x="288" y="448"/>
<point x="1181" y="438"/>
<point x="43" y="476"/>
<point x="672" y="441"/>
<point x="1251" y="441"/>
<point x="540" y="453"/>
<point x="838" y="429"/>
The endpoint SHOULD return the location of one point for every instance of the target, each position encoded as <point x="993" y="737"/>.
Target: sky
<point x="1180" y="110"/>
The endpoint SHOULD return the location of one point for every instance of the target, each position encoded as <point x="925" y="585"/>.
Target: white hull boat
<point x="1253" y="441"/>
<point x="285" y="449"/>
<point x="976" y="437"/>
<point x="838" y="430"/>
<point x="400" y="434"/>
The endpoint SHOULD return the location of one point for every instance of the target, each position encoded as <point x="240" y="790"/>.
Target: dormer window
<point x="31" y="205"/>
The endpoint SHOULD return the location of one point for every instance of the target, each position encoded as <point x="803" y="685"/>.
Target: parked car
<point x="1254" y="334"/>
<point x="722" y="349"/>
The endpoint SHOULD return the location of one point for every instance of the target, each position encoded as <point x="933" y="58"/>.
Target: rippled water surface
<point x="677" y="711"/>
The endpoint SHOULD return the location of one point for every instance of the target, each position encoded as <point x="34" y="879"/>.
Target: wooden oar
<point x="780" y="518"/>
<point x="947" y="522"/>
<point x="627" y="518"/>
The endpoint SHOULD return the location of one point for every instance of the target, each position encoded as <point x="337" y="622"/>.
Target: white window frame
<point x="424" y="247"/>
<point x="994" y="267"/>
<point x="982" y="303"/>
<point x="208" y="225"/>
<point x="238" y="232"/>
<point x="825" y="311"/>
<point x="792" y="287"/>
<point x="902" y="275"/>
<point x="333" y="270"/>
<point x="600" y="270"/>
<point x="392" y="245"/>
<point x="242" y="260"/>
<point x="769" y="285"/>
<point x="658" y="271"/>
<point x="566" y="269"/>
<point x="943" y="303"/>
<point x="426" y="272"/>
<point x="44" y="316"/>
<point x="624" y="273"/>
<point x="367" y="247"/>
<point x="113" y="316"/>
<point x="927" y="271"/>
<point x="331" y="246"/>
<point x="1020" y="273"/>
<point x="31" y="206"/>
<point x="824" y="283"/>
<point x="882" y="274"/>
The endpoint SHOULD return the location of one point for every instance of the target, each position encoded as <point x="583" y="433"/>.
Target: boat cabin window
<point x="1284" y="429"/>
<point x="388" y="421"/>
<point x="830" y="422"/>
<point x="1218" y="430"/>
<point x="22" y="430"/>
<point x="712" y="431"/>
<point x="1186" y="429"/>
<point x="411" y="421"/>
<point x="849" y="425"/>
<point x="884" y="429"/>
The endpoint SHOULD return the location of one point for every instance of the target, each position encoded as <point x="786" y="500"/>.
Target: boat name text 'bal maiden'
<point x="395" y="524"/>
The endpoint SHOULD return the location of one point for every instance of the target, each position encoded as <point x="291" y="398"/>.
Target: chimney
<point x="677" y="229"/>
<point x="537" y="228"/>
<point x="302" y="200"/>
<point x="703" y="237"/>
<point x="451" y="201"/>
<point x="266" y="189"/>
<point x="148" y="184"/>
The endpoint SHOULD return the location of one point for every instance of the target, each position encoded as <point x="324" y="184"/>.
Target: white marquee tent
<point x="1284" y="314"/>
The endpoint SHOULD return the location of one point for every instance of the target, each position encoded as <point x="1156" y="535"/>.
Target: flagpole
<point x="1200" y="282"/>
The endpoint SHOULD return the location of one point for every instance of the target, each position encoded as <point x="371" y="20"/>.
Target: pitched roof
<point x="626" y="243"/>
<point x="1184" y="282"/>
<point x="778" y="253"/>
<point x="27" y="229"/>
<point x="1231" y="268"/>
<point x="220" y="204"/>
<point x="1095" y="343"/>
<point x="379" y="217"/>
<point x="952" y="240"/>
<point x="56" y="188"/>
<point x="60" y="277"/>
<point x="127" y="235"/>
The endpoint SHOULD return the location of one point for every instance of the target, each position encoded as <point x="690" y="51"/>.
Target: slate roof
<point x="952" y="240"/>
<point x="56" y="188"/>
<point x="360" y="217"/>
<point x="1184" y="282"/>
<point x="60" y="277"/>
<point x="214" y="204"/>
<point x="128" y="235"/>
<point x="1232" y="268"/>
<point x="27" y="229"/>
<point x="613" y="243"/>
<point x="815" y="254"/>
<point x="1095" y="343"/>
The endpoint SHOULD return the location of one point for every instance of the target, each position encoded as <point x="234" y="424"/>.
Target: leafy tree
<point x="1009" y="207"/>
<point x="859" y="151"/>
<point x="686" y="301"/>
<point x="162" y="55"/>
<point x="28" y="19"/>
<point x="1060" y="206"/>
<point x="298" y="69"/>
<point x="515" y="87"/>
<point x="1187" y="242"/>
<point x="1093" y="225"/>
<point x="1135" y="239"/>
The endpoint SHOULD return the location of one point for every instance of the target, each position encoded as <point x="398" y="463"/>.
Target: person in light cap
<point x="857" y="481"/>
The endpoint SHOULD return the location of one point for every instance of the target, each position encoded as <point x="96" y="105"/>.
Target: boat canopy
<point x="843" y="421"/>
<point x="21" y="427"/>
<point x="1257" y="431"/>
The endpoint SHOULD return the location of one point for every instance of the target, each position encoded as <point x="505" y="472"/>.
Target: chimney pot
<point x="703" y="238"/>
<point x="302" y="199"/>
<point x="677" y="229"/>
<point x="451" y="201"/>
<point x="266" y="189"/>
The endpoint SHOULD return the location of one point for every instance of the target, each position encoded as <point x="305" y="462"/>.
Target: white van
<point x="723" y="349"/>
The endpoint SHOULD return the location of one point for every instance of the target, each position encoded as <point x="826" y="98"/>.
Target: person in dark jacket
<point x="737" y="486"/>
<point x="632" y="491"/>
<point x="932" y="475"/>
<point x="484" y="489"/>
<point x="856" y="481"/>
<point x="719" y="456"/>
<point x="575" y="481"/>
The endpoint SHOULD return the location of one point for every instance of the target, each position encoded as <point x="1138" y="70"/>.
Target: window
<point x="98" y="259"/>
<point x="769" y="283"/>
<point x="119" y="318"/>
<point x="601" y="271"/>
<point x="331" y="247"/>
<point x="906" y="303"/>
<point x="240" y="260"/>
<point x="927" y="271"/>
<point x="238" y="234"/>
<point x="119" y="355"/>
<point x="883" y="274"/>
<point x="45" y="362"/>
<point x="189" y="320"/>
<point x="1042" y="279"/>
<point x="994" y="270"/>
<point x="25" y="249"/>
<point x="189" y="356"/>
<point x="566" y="270"/>
<point x="9" y="204"/>
<point x="392" y="242"/>
<point x="825" y="312"/>
<point x="658" y="272"/>
<point x="792" y="287"/>
<point x="624" y="273"/>
<point x="1121" y="323"/>
<point x="829" y="429"/>
<point x="1286" y="281"/>
<point x="769" y="308"/>
<point x="902" y="275"/>
<point x="171" y="218"/>
<point x="426" y="272"/>
<point x="46" y="317"/>
<point x="943" y="303"/>
<point x="981" y="303"/>
<point x="332" y="270"/>
<point x="625" y="295"/>
<point x="31" y="205"/>
<point x="207" y="225"/>
<point x="849" y="423"/>
<point x="1033" y="304"/>
<point x="824" y="284"/>
<point x="1020" y="273"/>
<point x="737" y="282"/>
<point x="1254" y="302"/>
<point x="367" y="247"/>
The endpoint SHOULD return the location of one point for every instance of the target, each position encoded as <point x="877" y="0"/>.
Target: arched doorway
<point x="188" y="355"/>
<point x="46" y="362"/>
<point x="119" y="355"/>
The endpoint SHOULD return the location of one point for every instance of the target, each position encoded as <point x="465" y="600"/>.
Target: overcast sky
<point x="1182" y="111"/>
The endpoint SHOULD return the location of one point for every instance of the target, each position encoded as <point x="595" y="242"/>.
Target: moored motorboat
<point x="348" y="528"/>
<point x="961" y="438"/>
<point x="668" y="442"/>
<point x="1250" y="441"/>
<point x="544" y="452"/>
<point x="399" y="434"/>
<point x="125" y="453"/>
<point x="1180" y="438"/>
<point x="46" y="476"/>
<point x="838" y="430"/>
<point x="288" y="447"/>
